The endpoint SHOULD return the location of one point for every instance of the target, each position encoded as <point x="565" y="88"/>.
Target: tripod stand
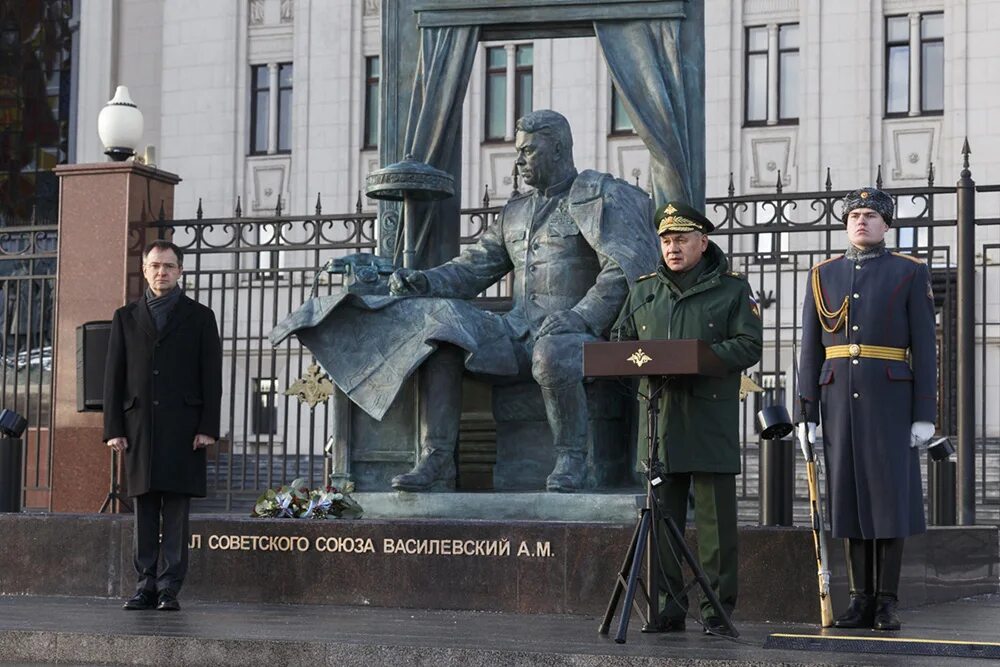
<point x="114" y="490"/>
<point x="645" y="538"/>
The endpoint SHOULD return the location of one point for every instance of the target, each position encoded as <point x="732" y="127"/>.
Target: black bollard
<point x="10" y="474"/>
<point x="777" y="480"/>
<point x="941" y="485"/>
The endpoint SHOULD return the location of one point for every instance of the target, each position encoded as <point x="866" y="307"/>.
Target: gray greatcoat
<point x="160" y="390"/>
<point x="869" y="404"/>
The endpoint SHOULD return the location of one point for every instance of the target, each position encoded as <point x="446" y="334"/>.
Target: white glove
<point x="920" y="433"/>
<point x="808" y="430"/>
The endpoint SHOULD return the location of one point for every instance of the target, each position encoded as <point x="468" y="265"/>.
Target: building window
<point x="524" y="80"/>
<point x="509" y="89"/>
<point x="496" y="93"/>
<point x="788" y="72"/>
<point x="772" y="74"/>
<point x="914" y="71"/>
<point x="373" y="76"/>
<point x="769" y="245"/>
<point x="264" y="418"/>
<point x="285" y="108"/>
<point x="620" y="122"/>
<point x="271" y="108"/>
<point x="260" y="93"/>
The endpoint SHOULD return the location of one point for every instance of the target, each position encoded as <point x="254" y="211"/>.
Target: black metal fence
<point x="27" y="286"/>
<point x="253" y="271"/>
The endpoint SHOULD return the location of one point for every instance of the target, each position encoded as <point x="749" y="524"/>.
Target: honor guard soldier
<point x="868" y="366"/>
<point x="694" y="295"/>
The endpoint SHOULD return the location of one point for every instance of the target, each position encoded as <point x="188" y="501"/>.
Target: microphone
<point x="618" y="330"/>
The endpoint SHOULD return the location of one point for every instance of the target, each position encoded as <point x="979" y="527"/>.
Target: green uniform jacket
<point x="699" y="416"/>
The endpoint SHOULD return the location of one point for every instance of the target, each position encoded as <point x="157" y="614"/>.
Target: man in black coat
<point x="162" y="401"/>
<point x="868" y="366"/>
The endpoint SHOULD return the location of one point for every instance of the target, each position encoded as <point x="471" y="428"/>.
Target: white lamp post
<point x="120" y="126"/>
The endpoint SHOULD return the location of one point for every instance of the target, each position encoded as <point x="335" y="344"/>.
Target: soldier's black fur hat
<point x="872" y="198"/>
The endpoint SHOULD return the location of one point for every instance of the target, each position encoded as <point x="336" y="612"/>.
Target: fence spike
<point x="199" y="213"/>
<point x="357" y="203"/>
<point x="878" y="178"/>
<point x="732" y="186"/>
<point x="829" y="181"/>
<point x="162" y="215"/>
<point x="513" y="173"/>
<point x="486" y="196"/>
<point x="277" y="207"/>
<point x="966" y="152"/>
<point x="239" y="207"/>
<point x="34" y="214"/>
<point x="777" y="186"/>
<point x="319" y="205"/>
<point x="930" y="175"/>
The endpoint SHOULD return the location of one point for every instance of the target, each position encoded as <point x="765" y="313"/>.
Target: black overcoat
<point x="160" y="390"/>
<point x="869" y="404"/>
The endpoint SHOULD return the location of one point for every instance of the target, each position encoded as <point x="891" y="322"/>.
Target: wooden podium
<point x="658" y="361"/>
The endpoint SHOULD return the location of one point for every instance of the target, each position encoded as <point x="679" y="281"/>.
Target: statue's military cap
<point x="676" y="217"/>
<point x="872" y="198"/>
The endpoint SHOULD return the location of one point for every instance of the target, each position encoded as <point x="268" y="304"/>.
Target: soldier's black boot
<point x="566" y="409"/>
<point x="440" y="386"/>
<point x="860" y="578"/>
<point x="889" y="560"/>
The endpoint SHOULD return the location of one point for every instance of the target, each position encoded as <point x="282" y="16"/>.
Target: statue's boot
<point x="566" y="409"/>
<point x="439" y="383"/>
<point x="861" y="581"/>
<point x="889" y="563"/>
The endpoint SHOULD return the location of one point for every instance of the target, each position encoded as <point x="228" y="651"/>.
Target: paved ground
<point x="49" y="630"/>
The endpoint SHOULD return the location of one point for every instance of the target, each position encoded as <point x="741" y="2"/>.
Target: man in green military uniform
<point x="695" y="296"/>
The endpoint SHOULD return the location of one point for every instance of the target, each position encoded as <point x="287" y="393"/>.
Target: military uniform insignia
<point x="670" y="210"/>
<point x="865" y="195"/>
<point x="754" y="305"/>
<point x="643" y="277"/>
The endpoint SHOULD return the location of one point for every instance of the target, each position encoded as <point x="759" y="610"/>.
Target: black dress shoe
<point x="665" y="625"/>
<point x="168" y="602"/>
<point x="885" y="613"/>
<point x="141" y="600"/>
<point x="859" y="614"/>
<point x="715" y="626"/>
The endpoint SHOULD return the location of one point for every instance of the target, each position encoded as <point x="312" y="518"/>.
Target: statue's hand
<point x="408" y="282"/>
<point x="563" y="322"/>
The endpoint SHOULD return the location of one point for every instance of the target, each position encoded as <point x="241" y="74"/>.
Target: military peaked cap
<point x="872" y="198"/>
<point x="676" y="217"/>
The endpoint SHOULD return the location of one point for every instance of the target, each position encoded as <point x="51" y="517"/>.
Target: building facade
<point x="274" y="102"/>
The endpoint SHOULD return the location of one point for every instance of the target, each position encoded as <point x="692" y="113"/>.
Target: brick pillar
<point x="104" y="213"/>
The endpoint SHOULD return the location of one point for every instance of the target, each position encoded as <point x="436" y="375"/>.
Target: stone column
<point x="772" y="74"/>
<point x="104" y="214"/>
<point x="915" y="64"/>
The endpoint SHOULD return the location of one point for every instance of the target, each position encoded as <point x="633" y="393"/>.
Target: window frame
<point x="253" y="149"/>
<point x="373" y="89"/>
<point x="797" y="51"/>
<point x="923" y="41"/>
<point x="613" y="129"/>
<point x="885" y="66"/>
<point x="290" y="88"/>
<point x="747" y="52"/>
<point x="490" y="72"/>
<point x="519" y="72"/>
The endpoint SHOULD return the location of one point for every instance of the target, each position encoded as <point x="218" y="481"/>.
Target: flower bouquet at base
<point x="298" y="501"/>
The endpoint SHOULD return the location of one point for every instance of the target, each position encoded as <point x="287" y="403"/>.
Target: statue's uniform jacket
<point x="867" y="404"/>
<point x="699" y="418"/>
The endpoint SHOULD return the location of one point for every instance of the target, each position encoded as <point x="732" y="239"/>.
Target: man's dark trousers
<point x="715" y="519"/>
<point x="161" y="566"/>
